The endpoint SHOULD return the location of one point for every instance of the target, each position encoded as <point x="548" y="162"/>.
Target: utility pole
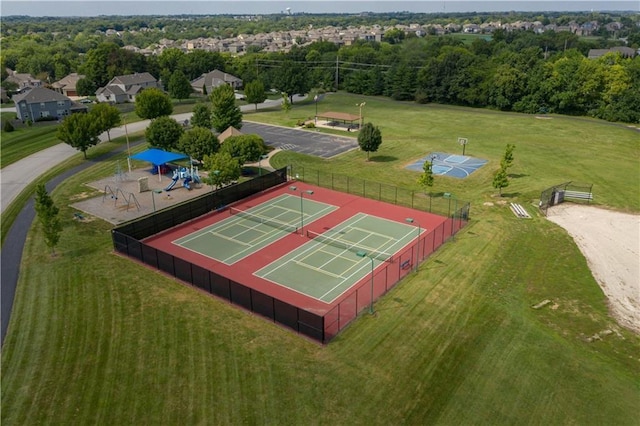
<point x="337" y="71"/>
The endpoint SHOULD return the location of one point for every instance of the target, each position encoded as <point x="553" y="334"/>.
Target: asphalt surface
<point x="303" y="141"/>
<point x="11" y="254"/>
<point x="17" y="175"/>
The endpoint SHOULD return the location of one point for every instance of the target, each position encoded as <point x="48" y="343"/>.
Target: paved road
<point x="15" y="177"/>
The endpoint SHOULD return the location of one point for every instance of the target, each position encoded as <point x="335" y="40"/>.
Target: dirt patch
<point x="120" y="199"/>
<point x="610" y="241"/>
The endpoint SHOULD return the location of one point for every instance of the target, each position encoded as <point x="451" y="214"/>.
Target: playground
<point x="125" y="195"/>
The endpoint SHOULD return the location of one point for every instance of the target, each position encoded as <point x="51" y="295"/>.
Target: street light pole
<point x="411" y="220"/>
<point x="364" y="254"/>
<point x="315" y="99"/>
<point x="309" y="192"/>
<point x="362" y="104"/>
<point x="262" y="157"/>
<point x="128" y="147"/>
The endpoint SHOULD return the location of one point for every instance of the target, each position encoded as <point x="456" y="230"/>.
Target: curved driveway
<point x="14" y="178"/>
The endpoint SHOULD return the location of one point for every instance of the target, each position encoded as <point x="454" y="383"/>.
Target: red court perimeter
<point x="438" y="228"/>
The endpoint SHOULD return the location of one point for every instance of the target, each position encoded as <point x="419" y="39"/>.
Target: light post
<point x="309" y="192"/>
<point x="315" y="99"/>
<point x="128" y="147"/>
<point x="214" y="180"/>
<point x="361" y="105"/>
<point x="153" y="197"/>
<point x="364" y="254"/>
<point x="262" y="157"/>
<point x="450" y="196"/>
<point x="412" y="220"/>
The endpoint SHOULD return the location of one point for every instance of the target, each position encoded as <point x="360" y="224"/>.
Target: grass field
<point x="25" y="141"/>
<point x="98" y="339"/>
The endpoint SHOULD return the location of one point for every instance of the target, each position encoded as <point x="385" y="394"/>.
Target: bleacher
<point x="519" y="211"/>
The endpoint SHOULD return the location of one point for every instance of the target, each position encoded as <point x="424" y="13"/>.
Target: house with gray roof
<point x="214" y="79"/>
<point x="44" y="104"/>
<point x="124" y="88"/>
<point x="67" y="85"/>
<point x="24" y="81"/>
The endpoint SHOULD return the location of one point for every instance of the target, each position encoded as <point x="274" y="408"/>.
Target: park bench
<point x="579" y="195"/>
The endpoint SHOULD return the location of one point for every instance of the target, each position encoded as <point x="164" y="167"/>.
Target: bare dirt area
<point x="610" y="241"/>
<point x="119" y="198"/>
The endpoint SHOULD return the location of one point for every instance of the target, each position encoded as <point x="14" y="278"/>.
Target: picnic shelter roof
<point x="158" y="156"/>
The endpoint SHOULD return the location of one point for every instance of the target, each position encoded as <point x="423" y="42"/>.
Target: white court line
<point x="349" y="277"/>
<point x="316" y="269"/>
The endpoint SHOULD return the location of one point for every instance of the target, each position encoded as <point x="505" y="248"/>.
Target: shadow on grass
<point x="436" y="264"/>
<point x="510" y="195"/>
<point x="517" y="176"/>
<point x="383" y="158"/>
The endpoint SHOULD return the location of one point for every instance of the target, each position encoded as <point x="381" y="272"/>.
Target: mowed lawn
<point x="25" y="141"/>
<point x="96" y="338"/>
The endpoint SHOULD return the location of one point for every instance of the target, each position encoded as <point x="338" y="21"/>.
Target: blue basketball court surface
<point x="458" y="166"/>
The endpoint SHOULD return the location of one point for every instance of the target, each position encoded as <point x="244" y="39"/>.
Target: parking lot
<point x="309" y="142"/>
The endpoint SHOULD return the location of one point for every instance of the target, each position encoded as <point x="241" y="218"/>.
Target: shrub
<point x="8" y="127"/>
<point x="310" y="125"/>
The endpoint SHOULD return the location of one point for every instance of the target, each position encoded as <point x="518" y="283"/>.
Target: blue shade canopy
<point x="158" y="156"/>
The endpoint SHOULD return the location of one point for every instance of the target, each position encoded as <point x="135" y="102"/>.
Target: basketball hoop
<point x="463" y="142"/>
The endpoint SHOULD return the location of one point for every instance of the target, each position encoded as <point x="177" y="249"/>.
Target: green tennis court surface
<point x="247" y="231"/>
<point x="332" y="262"/>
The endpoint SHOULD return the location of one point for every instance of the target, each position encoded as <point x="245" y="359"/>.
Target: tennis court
<point x="336" y="259"/>
<point x="247" y="231"/>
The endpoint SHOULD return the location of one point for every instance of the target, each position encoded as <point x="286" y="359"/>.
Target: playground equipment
<point x="188" y="176"/>
<point x="118" y="194"/>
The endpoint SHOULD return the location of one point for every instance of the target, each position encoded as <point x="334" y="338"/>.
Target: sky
<point x="239" y="7"/>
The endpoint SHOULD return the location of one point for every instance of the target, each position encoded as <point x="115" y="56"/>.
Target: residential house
<point x="124" y="88"/>
<point x="626" y="52"/>
<point x="44" y="104"/>
<point x="230" y="131"/>
<point x="67" y="85"/>
<point x="23" y="81"/>
<point x="214" y="79"/>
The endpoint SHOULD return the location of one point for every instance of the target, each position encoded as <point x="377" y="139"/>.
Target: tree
<point x="48" y="217"/>
<point x="222" y="169"/>
<point x="86" y="87"/>
<point x="426" y="178"/>
<point x="225" y="113"/>
<point x="507" y="159"/>
<point x="369" y="138"/>
<point x="164" y="133"/>
<point x="106" y="118"/>
<point x="198" y="143"/>
<point x="292" y="78"/>
<point x="201" y="116"/>
<point x="500" y="179"/>
<point x="153" y="103"/>
<point x="254" y="93"/>
<point x="179" y="86"/>
<point x="80" y="131"/>
<point x="286" y="105"/>
<point x="244" y="148"/>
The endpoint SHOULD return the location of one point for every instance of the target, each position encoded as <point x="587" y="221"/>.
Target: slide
<point x="174" y="180"/>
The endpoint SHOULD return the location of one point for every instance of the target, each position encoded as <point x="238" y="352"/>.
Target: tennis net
<point x="348" y="245"/>
<point x="262" y="219"/>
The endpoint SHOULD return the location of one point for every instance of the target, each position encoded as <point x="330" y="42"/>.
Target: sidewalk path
<point x="15" y="177"/>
